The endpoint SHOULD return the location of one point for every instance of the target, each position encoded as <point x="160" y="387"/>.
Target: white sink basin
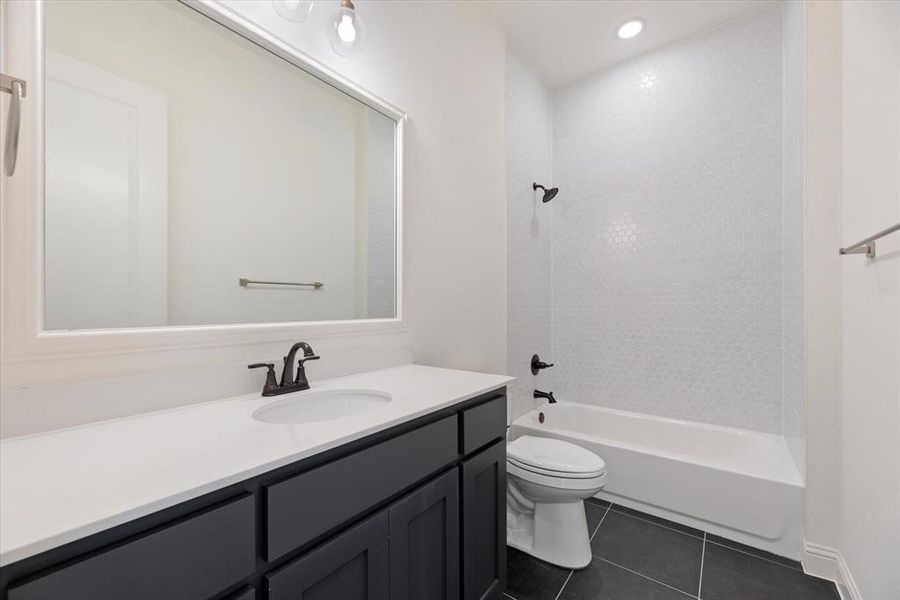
<point x="325" y="405"/>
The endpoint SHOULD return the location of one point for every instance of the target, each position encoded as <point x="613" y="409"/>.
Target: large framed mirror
<point x="197" y="174"/>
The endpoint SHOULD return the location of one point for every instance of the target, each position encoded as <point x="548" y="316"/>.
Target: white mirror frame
<point x="24" y="339"/>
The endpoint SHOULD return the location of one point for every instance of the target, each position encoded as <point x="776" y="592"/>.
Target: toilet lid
<point x="553" y="457"/>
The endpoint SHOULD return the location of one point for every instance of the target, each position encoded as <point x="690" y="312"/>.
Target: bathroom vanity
<point x="406" y="501"/>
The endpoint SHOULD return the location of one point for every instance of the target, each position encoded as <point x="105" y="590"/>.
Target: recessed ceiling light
<point x="630" y="29"/>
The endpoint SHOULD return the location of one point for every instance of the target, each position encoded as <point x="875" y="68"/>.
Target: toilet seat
<point x="556" y="481"/>
<point x="552" y="458"/>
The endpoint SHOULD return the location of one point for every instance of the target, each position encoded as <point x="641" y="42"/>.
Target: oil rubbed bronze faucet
<point x="289" y="382"/>
<point x="545" y="395"/>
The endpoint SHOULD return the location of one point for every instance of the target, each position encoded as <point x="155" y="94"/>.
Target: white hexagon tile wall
<point x="529" y="151"/>
<point x="667" y="249"/>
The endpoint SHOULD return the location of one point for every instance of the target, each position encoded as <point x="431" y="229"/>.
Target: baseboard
<point x="828" y="563"/>
<point x="848" y="583"/>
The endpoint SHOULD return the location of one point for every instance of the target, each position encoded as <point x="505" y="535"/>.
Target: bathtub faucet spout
<point x="545" y="395"/>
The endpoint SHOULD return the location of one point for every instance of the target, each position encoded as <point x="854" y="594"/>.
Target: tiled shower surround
<point x="668" y="290"/>
<point x="792" y="233"/>
<point x="529" y="151"/>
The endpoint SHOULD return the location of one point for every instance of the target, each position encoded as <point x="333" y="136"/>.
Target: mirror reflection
<point x="194" y="178"/>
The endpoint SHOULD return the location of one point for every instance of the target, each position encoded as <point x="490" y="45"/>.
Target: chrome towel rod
<point x="867" y="246"/>
<point x="244" y="282"/>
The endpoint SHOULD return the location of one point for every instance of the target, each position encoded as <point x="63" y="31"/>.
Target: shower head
<point x="549" y="193"/>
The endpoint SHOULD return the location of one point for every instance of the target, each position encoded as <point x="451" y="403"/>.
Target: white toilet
<point x="548" y="481"/>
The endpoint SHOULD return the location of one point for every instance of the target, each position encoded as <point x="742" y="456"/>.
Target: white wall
<point x="853" y="304"/>
<point x="529" y="230"/>
<point x="870" y="299"/>
<point x="667" y="249"/>
<point x="822" y="284"/>
<point x="443" y="63"/>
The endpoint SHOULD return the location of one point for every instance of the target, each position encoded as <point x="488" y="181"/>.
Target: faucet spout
<point x="545" y="395"/>
<point x="288" y="383"/>
<point x="287" y="372"/>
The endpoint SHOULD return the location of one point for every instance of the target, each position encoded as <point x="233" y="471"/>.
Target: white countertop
<point x="60" y="486"/>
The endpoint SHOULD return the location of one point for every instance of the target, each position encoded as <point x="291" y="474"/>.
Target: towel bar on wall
<point x="867" y="246"/>
<point x="244" y="282"/>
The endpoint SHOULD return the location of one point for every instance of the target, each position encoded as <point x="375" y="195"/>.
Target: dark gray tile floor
<point x="641" y="557"/>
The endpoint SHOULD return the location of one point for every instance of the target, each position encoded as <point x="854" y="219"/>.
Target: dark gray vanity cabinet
<point x="301" y="508"/>
<point x="484" y="523"/>
<point x="193" y="558"/>
<point x="408" y="551"/>
<point x="424" y="532"/>
<point x="352" y="566"/>
<point x="417" y="512"/>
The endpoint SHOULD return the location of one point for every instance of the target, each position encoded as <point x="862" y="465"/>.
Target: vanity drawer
<point x="307" y="505"/>
<point x="483" y="424"/>
<point x="194" y="558"/>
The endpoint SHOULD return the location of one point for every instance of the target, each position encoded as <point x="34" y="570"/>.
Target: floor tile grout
<point x="705" y="539"/>
<point x="697" y="537"/>
<point x="769" y="560"/>
<point x="559" y="593"/>
<point x="702" y="559"/>
<point x="645" y="577"/>
<point x="597" y="528"/>
<point x="572" y="571"/>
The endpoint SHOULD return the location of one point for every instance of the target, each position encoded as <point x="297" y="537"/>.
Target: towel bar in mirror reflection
<point x="244" y="282"/>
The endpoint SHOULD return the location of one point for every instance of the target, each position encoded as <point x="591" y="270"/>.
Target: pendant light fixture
<point x="347" y="31"/>
<point x="293" y="10"/>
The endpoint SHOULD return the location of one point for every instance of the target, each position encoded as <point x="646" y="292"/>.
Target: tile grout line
<point x="702" y="559"/>
<point x="645" y="576"/>
<point x="559" y="593"/>
<point x="774" y="562"/>
<point x="696" y="537"/>
<point x="597" y="528"/>
<point x="572" y="571"/>
<point x="703" y="537"/>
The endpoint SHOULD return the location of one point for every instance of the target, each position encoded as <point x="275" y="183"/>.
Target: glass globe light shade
<point x="347" y="31"/>
<point x="293" y="10"/>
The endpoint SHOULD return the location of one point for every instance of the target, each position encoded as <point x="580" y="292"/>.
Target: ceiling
<point x="567" y="39"/>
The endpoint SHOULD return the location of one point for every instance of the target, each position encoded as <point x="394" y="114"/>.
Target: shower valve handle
<point x="537" y="364"/>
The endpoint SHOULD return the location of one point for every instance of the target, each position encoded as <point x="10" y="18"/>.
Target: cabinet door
<point x="195" y="557"/>
<point x="424" y="531"/>
<point x="351" y="566"/>
<point x="484" y="523"/>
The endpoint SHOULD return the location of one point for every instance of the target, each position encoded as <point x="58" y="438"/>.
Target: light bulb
<point x="293" y="10"/>
<point x="630" y="29"/>
<point x="347" y="31"/>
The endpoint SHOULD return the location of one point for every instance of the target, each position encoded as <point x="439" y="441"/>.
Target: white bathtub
<point x="739" y="484"/>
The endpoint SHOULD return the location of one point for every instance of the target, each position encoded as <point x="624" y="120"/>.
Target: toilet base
<point x="556" y="532"/>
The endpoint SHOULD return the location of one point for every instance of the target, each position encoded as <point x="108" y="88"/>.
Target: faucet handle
<point x="305" y="358"/>
<point x="271" y="384"/>
<point x="537" y="364"/>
